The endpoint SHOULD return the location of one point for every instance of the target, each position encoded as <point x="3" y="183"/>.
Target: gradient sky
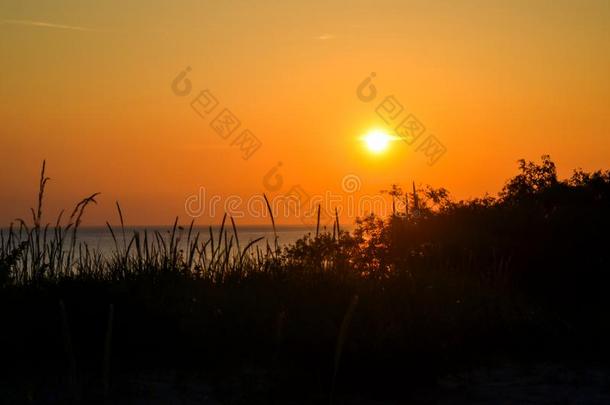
<point x="87" y="86"/>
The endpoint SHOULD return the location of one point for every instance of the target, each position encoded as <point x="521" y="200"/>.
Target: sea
<point x="100" y="238"/>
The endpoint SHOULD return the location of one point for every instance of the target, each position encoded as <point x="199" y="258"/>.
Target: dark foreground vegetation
<point x="438" y="287"/>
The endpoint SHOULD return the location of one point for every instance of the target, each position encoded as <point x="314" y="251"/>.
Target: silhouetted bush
<point x="438" y="284"/>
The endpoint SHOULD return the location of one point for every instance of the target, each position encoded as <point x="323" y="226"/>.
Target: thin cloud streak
<point x="325" y="37"/>
<point x="31" y="23"/>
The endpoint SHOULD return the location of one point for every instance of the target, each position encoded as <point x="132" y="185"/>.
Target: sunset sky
<point x="88" y="87"/>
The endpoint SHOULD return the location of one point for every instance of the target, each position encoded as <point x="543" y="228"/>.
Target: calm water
<point x="100" y="238"/>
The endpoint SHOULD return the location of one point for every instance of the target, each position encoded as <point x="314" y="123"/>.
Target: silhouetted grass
<point x="439" y="285"/>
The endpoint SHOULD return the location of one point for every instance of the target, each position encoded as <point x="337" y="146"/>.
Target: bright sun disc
<point x="377" y="141"/>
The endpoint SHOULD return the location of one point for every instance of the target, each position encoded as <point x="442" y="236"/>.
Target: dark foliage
<point x="436" y="286"/>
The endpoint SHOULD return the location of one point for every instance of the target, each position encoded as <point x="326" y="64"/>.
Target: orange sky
<point x="88" y="88"/>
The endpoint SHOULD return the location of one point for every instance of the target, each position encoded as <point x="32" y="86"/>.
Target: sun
<point x="377" y="140"/>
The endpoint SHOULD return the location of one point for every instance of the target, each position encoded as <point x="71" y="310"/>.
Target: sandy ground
<point x="533" y="384"/>
<point x="509" y="384"/>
